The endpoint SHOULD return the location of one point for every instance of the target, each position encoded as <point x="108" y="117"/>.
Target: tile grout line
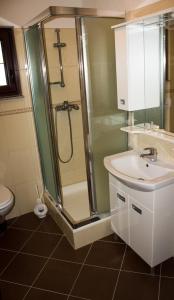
<point x="110" y="242"/>
<point x="40" y="289"/>
<point x="19" y="250"/>
<point x="40" y="231"/>
<point x="85" y="264"/>
<point x="13" y="222"/>
<point x="114" y="292"/>
<point x="37" y="276"/>
<point x="79" y="273"/>
<point x="159" y="287"/>
<point x="140" y="273"/>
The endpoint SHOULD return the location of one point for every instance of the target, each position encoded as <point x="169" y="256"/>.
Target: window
<point x="9" y="71"/>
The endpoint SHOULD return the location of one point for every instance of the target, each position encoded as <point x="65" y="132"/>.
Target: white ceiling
<point x="22" y="11"/>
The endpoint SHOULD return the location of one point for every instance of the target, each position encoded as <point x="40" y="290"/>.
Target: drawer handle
<point x="121" y="197"/>
<point x="138" y="210"/>
<point x="122" y="101"/>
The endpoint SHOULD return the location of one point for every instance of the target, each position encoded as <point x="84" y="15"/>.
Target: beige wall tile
<point x="26" y="196"/>
<point x="17" y="131"/>
<point x="22" y="166"/>
<point x="71" y="91"/>
<point x="69" y="55"/>
<point x="52" y="52"/>
<point x="5" y="170"/>
<point x="72" y="82"/>
<point x="3" y="145"/>
<point x="20" y="48"/>
<point x="68" y="36"/>
<point x="19" y="163"/>
<point x="75" y="170"/>
<point x="165" y="149"/>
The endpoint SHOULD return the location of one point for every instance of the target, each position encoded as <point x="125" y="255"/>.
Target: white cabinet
<point x="141" y="221"/>
<point x="119" y="212"/>
<point x="138" y="66"/>
<point x="144" y="220"/>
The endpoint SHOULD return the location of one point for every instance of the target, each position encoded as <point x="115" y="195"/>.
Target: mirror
<point x="169" y="74"/>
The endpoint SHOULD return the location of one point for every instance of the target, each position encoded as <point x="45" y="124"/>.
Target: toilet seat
<point x="6" y="196"/>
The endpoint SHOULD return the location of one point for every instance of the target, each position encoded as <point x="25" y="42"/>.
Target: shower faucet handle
<point x="75" y="106"/>
<point x="66" y="106"/>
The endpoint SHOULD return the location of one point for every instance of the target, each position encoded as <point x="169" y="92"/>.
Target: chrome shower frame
<point x="76" y="13"/>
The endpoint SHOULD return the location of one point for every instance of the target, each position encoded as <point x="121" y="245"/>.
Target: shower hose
<point x="70" y="135"/>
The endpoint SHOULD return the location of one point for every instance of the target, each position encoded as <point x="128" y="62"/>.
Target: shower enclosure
<point x="71" y="61"/>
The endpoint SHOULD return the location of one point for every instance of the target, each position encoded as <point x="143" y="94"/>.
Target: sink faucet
<point x="151" y="155"/>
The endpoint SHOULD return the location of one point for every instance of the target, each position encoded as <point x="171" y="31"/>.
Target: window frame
<point x="13" y="87"/>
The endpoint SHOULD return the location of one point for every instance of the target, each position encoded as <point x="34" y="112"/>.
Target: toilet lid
<point x="6" y="196"/>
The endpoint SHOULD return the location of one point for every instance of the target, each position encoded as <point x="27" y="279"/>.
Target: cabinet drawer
<point x="118" y="198"/>
<point x="144" y="198"/>
<point x="119" y="216"/>
<point x="141" y="221"/>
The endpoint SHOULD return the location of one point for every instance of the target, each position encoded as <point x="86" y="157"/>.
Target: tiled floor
<point x="37" y="262"/>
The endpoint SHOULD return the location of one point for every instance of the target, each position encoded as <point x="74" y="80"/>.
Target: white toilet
<point x="7" y="202"/>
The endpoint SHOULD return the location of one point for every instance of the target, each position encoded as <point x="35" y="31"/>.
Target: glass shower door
<point x="104" y="119"/>
<point x="39" y="90"/>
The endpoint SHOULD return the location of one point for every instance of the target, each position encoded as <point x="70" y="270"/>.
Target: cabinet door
<point x="121" y="67"/>
<point x="141" y="228"/>
<point x="152" y="65"/>
<point x="135" y="53"/>
<point x="119" y="216"/>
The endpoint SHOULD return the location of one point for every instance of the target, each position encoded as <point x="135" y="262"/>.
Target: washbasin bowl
<point x="139" y="173"/>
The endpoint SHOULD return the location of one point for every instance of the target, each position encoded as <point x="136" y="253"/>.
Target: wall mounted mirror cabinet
<point x="144" y="64"/>
<point x="138" y="65"/>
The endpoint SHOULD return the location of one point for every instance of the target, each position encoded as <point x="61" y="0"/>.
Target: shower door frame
<point x="76" y="13"/>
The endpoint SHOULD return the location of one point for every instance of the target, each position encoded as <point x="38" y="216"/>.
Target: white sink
<point x="139" y="173"/>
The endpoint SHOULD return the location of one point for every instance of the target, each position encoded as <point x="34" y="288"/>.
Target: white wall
<point x="22" y="11"/>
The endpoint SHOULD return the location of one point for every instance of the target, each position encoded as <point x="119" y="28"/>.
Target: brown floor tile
<point x="133" y="286"/>
<point x="133" y="262"/>
<point x="58" y="276"/>
<point x="168" y="268"/>
<point x="50" y="226"/>
<point x="106" y="254"/>
<point x="23" y="269"/>
<point x="167" y="289"/>
<point x="5" y="257"/>
<point x="11" y="221"/>
<point x="95" y="283"/>
<point x="35" y="294"/>
<point x="65" y="251"/>
<point x="113" y="238"/>
<point x="10" y="291"/>
<point x="13" y="239"/>
<point x="41" y="244"/>
<point x="28" y="221"/>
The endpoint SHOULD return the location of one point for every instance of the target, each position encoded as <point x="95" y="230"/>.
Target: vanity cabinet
<point x="144" y="220"/>
<point x="137" y="66"/>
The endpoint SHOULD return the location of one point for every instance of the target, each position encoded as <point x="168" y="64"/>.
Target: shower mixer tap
<point x="66" y="106"/>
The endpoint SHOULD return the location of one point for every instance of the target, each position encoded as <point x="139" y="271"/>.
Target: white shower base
<point x="76" y="201"/>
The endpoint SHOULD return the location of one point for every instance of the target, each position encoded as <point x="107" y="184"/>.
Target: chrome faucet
<point x="151" y="155"/>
